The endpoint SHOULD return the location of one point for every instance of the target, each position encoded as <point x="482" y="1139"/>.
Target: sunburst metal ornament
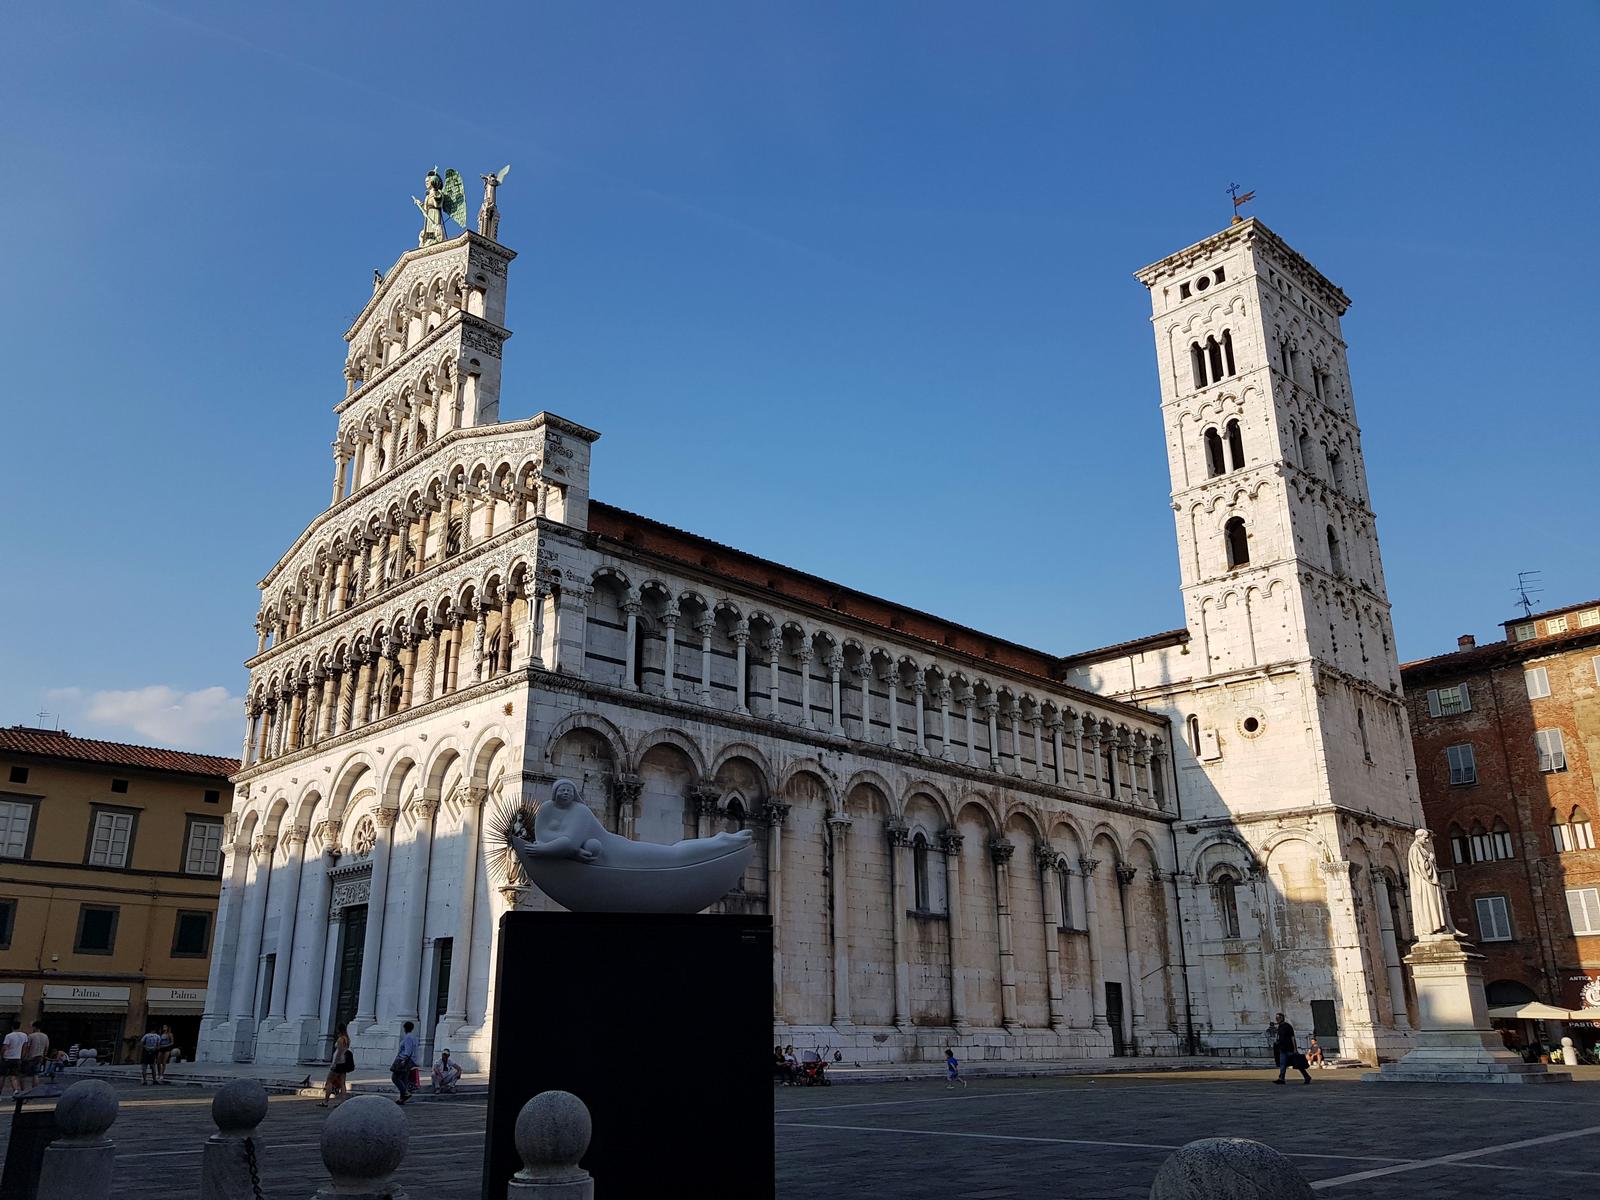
<point x="506" y="818"/>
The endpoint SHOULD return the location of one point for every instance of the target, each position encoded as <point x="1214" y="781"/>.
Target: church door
<point x="1325" y="1025"/>
<point x="347" y="992"/>
<point x="441" y="992"/>
<point x="1114" y="1018"/>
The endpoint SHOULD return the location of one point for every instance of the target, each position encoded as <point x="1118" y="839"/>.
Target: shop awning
<point x="10" y="997"/>
<point x="175" y="1001"/>
<point x="84" y="998"/>
<point x="1531" y="1011"/>
<point x="1586" y="1014"/>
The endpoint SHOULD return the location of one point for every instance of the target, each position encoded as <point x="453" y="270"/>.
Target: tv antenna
<point x="1528" y="587"/>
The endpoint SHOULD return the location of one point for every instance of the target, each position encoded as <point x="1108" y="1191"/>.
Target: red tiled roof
<point x="1152" y="641"/>
<point x="57" y="743"/>
<point x="1495" y="654"/>
<point x="1551" y="612"/>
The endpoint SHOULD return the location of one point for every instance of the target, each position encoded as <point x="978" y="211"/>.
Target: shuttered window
<point x="111" y="839"/>
<point x="1583" y="905"/>
<point x="1448" y="702"/>
<point x="1538" y="681"/>
<point x="1552" y="750"/>
<point x="15" y="818"/>
<point x="1463" y="764"/>
<point x="1494" y="923"/>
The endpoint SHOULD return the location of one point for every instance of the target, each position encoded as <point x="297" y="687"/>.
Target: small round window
<point x="1251" y="725"/>
<point x="1202" y="283"/>
<point x="1252" y="722"/>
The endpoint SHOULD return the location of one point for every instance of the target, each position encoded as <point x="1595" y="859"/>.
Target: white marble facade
<point x="958" y="838"/>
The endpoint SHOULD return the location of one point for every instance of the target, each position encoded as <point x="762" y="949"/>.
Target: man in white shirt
<point x="33" y="1056"/>
<point x="11" y="1052"/>
<point x="149" y="1051"/>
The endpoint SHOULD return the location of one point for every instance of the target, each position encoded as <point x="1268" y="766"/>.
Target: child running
<point x="952" y="1070"/>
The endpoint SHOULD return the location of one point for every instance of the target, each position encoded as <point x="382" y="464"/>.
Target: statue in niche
<point x="584" y="867"/>
<point x="1430" y="911"/>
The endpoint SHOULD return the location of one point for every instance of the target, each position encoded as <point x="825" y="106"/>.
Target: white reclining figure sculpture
<point x="585" y="867"/>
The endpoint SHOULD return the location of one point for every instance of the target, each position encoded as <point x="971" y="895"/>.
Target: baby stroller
<point x="814" y="1069"/>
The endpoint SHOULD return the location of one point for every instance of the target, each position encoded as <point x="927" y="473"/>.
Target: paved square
<point x="1084" y="1137"/>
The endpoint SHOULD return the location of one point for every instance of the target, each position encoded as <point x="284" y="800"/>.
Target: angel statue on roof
<point x="443" y="196"/>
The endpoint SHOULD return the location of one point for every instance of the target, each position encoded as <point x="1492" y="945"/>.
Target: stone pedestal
<point x="1454" y="1040"/>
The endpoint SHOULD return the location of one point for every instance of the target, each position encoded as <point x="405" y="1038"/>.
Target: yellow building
<point x="110" y="858"/>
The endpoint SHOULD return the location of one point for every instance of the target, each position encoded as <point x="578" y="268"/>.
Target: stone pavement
<point x="1084" y="1137"/>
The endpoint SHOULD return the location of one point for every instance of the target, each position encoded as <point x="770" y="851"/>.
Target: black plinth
<point x="662" y="1025"/>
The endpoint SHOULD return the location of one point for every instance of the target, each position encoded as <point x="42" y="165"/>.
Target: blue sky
<point x="844" y="285"/>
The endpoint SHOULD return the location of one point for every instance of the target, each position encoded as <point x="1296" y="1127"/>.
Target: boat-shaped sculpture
<point x="584" y="867"/>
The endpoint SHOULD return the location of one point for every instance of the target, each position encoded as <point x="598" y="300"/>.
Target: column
<point x="377" y="896"/>
<point x="247" y="961"/>
<point x="294" y="850"/>
<point x="455" y="1014"/>
<point x="776" y="812"/>
<point x="306" y="1003"/>
<point x="945" y="694"/>
<point x="1050" y="880"/>
<point x="741" y="640"/>
<point x="1000" y="851"/>
<point x="669" y="676"/>
<point x="1190" y="918"/>
<point x="773" y="647"/>
<point x="991" y="710"/>
<point x="234" y="893"/>
<point x="425" y="811"/>
<point x="1391" y="951"/>
<point x="536" y="605"/>
<point x="571" y="619"/>
<point x="480" y="626"/>
<point x="1091" y="919"/>
<point x="838" y="830"/>
<point x="891" y="680"/>
<point x="296" y="701"/>
<point x="427" y="639"/>
<point x="1077" y="753"/>
<point x="704" y="627"/>
<point x="630" y="667"/>
<point x="1037" y="721"/>
<point x="250" y="712"/>
<point x="899" y="849"/>
<point x="338" y="473"/>
<point x="504" y="663"/>
<point x="626" y="789"/>
<point x="706" y="799"/>
<point x="1351" y="954"/>
<point x="347" y="697"/>
<point x="358" y="715"/>
<point x="1055" y="744"/>
<point x="1016" y="736"/>
<point x="919" y="689"/>
<point x="1091" y="781"/>
<point x="863" y="671"/>
<point x="950" y="842"/>
<point x="972" y="742"/>
<point x="1126" y="874"/>
<point x="835" y="669"/>
<point x="802" y="656"/>
<point x="1158" y="777"/>
<point x="316" y="699"/>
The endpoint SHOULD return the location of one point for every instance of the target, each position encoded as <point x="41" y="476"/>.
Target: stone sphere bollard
<point x="229" y="1161"/>
<point x="552" y="1134"/>
<point x="363" y="1142"/>
<point x="80" y="1164"/>
<point x="1228" y="1169"/>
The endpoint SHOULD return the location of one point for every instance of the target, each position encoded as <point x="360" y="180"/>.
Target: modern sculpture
<point x="585" y="867"/>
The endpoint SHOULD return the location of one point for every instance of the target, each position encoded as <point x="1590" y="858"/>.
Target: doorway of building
<point x="441" y="990"/>
<point x="353" y="941"/>
<point x="1119" y="1048"/>
<point x="1325" y="1025"/>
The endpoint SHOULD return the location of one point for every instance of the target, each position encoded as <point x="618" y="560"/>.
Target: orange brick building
<point x="1507" y="738"/>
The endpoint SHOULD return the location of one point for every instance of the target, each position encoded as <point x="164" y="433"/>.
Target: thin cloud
<point x="205" y="719"/>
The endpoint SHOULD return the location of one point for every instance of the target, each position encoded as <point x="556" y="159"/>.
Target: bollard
<point x="363" y="1141"/>
<point x="1569" y="1053"/>
<point x="80" y="1163"/>
<point x="552" y="1134"/>
<point x="228" y="1167"/>
<point x="1228" y="1169"/>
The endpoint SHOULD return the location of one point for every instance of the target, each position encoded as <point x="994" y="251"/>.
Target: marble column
<point x="891" y="680"/>
<point x="950" y="842"/>
<point x="775" y="813"/>
<point x="1055" y="745"/>
<point x="305" y="1001"/>
<point x="991" y="711"/>
<point x="1126" y="874"/>
<point x="338" y="473"/>
<point x="669" y="673"/>
<point x="863" y="670"/>
<point x="704" y="626"/>
<point x="504" y="663"/>
<point x="424" y="812"/>
<point x="233" y="896"/>
<point x="919" y="689"/>
<point x="773" y="646"/>
<point x="536" y="603"/>
<point x="1000" y="851"/>
<point x="835" y="669"/>
<point x="427" y="637"/>
<point x="945" y="695"/>
<point x="838" y="867"/>
<point x="377" y="897"/>
<point x="247" y="962"/>
<point x="899" y="852"/>
<point x="707" y="799"/>
<point x="480" y="627"/>
<point x="1091" y="920"/>
<point x="293" y="840"/>
<point x="630" y="664"/>
<point x="1391" y="951"/>
<point x="1016" y="737"/>
<point x="626" y="789"/>
<point x="1049" y="861"/>
<point x="967" y="699"/>
<point x="741" y="644"/>
<point x="803" y="655"/>
<point x="455" y="1015"/>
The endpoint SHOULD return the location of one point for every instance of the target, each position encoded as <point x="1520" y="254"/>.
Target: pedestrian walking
<point x="405" y="1062"/>
<point x="149" y="1052"/>
<point x="11" y="1054"/>
<point x="1287" y="1050"/>
<point x="34" y="1055"/>
<point x="164" y="1053"/>
<point x="339" y="1067"/>
<point x="952" y="1070"/>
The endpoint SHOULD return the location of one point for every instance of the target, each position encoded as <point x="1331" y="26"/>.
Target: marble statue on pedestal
<point x="1430" y="911"/>
<point x="585" y="867"/>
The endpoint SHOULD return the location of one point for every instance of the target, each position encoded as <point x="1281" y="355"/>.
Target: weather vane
<point x="1233" y="190"/>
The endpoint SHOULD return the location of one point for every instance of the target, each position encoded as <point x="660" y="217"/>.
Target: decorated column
<point x="424" y="812"/>
<point x="1000" y="852"/>
<point x="372" y="948"/>
<point x="775" y="813"/>
<point x="1126" y="874"/>
<point x="899" y="850"/>
<point x="455" y="1012"/>
<point x="838" y="830"/>
<point x="950" y="842"/>
<point x="1050" y="867"/>
<point x="293" y="840"/>
<point x="1091" y="919"/>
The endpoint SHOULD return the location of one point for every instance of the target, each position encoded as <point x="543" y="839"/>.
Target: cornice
<point x="1248" y="232"/>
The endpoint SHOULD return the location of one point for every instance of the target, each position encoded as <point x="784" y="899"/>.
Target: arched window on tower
<point x="1235" y="446"/>
<point x="1238" y="542"/>
<point x="1214" y="357"/>
<point x="1227" y="351"/>
<point x="1304" y="447"/>
<point x="452" y="540"/>
<point x="1225" y="888"/>
<point x="1214" y="464"/>
<point x="1335" y="556"/>
<point x="1361" y="727"/>
<point x="919" y="873"/>
<point x="1336" y="468"/>
<point x="1197" y="360"/>
<point x="1193" y="727"/>
<point x="396" y="691"/>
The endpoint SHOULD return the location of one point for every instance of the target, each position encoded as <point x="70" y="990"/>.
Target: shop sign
<point x="171" y="995"/>
<point x="85" y="991"/>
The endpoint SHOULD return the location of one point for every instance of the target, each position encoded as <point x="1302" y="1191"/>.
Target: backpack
<point x="349" y="1061"/>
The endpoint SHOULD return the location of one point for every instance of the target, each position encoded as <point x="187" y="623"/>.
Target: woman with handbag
<point x="342" y="1064"/>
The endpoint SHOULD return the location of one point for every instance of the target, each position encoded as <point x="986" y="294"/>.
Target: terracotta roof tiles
<point x="57" y="743"/>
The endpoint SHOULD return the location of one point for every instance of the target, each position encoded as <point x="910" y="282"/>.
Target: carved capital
<point x="775" y="813"/>
<point x="625" y="789"/>
<point x="1126" y="873"/>
<point x="1047" y="856"/>
<point x="384" y="818"/>
<point x="264" y="845"/>
<point x="426" y="810"/>
<point x="327" y="832"/>
<point x="294" y="835"/>
<point x="897" y="831"/>
<point x="1088" y="865"/>
<point x="705" y="797"/>
<point x="840" y="823"/>
<point x="1001" y="850"/>
<point x="950" y="841"/>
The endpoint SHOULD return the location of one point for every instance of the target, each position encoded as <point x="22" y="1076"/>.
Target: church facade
<point x="961" y="840"/>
